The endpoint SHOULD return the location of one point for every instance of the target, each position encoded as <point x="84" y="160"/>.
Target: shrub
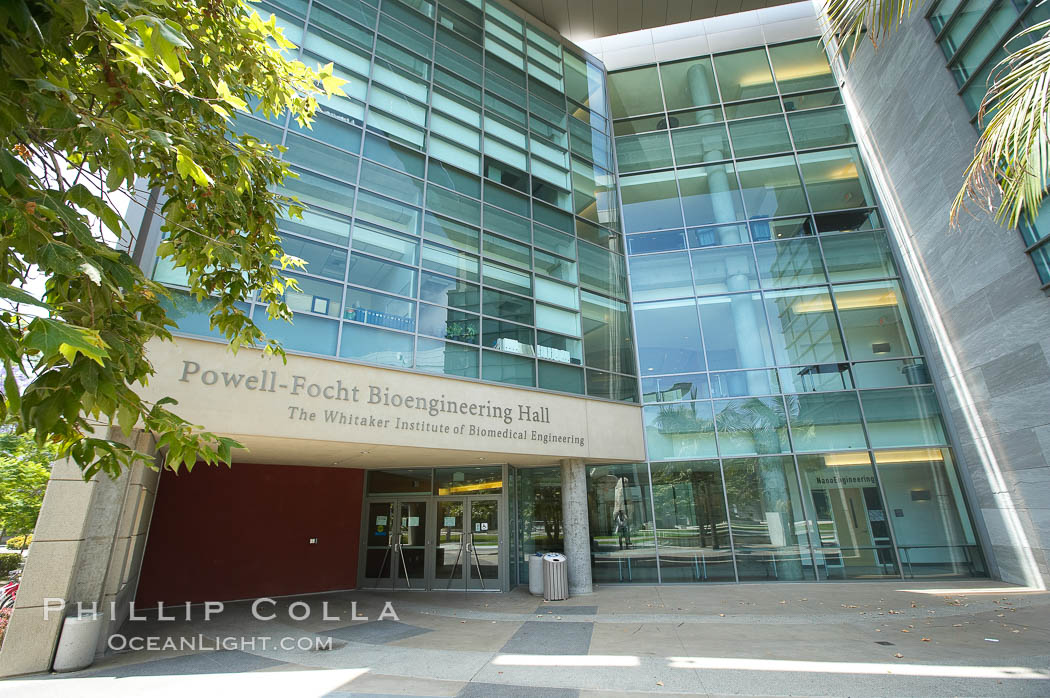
<point x="8" y="563"/>
<point x="5" y="616"/>
<point x="19" y="542"/>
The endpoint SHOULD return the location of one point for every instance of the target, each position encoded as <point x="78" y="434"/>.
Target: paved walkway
<point x="849" y="639"/>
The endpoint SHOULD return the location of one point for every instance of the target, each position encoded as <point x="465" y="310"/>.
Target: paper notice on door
<point x="380" y="521"/>
<point x="484" y="527"/>
<point x="413" y="521"/>
<point x="450" y="521"/>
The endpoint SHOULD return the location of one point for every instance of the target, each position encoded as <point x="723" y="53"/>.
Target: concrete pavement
<point x="831" y="639"/>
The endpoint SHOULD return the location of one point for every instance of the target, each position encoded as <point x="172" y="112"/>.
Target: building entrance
<point x="439" y="541"/>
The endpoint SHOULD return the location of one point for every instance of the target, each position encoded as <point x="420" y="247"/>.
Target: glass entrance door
<point x="411" y="544"/>
<point x="450" y="546"/>
<point x="485" y="544"/>
<point x="469" y="544"/>
<point x="379" y="542"/>
<point x="396" y="544"/>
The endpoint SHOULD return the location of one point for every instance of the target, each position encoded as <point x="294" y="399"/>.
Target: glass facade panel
<point x="850" y="528"/>
<point x="825" y="421"/>
<point x="771" y="187"/>
<point x="801" y="66"/>
<point x="668" y="337"/>
<point x="766" y="519"/>
<point x="835" y="179"/>
<point x="680" y="430"/>
<point x="934" y="534"/>
<point x="903" y="417"/>
<point x="692" y="528"/>
<point x="744" y="75"/>
<point x="623" y="536"/>
<point x="688" y="83"/>
<point x="760" y="136"/>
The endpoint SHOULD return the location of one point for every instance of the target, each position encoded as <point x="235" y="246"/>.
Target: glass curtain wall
<point x="462" y="206"/>
<point x="976" y="36"/>
<point x="792" y="429"/>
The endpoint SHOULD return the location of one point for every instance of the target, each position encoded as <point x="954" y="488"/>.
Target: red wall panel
<point x="220" y="533"/>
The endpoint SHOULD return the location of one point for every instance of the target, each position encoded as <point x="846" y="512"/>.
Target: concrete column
<point x="87" y="548"/>
<point x="576" y="527"/>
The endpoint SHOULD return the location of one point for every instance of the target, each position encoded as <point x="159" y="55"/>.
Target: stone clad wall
<point x="982" y="285"/>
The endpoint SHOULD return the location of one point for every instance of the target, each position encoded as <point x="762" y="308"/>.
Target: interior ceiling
<point x="579" y="20"/>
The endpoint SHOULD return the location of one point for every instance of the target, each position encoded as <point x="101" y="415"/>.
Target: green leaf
<point x="51" y="337"/>
<point x="190" y="169"/>
<point x="13" y="293"/>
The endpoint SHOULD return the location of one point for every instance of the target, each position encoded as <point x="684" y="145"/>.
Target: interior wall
<point x="220" y="534"/>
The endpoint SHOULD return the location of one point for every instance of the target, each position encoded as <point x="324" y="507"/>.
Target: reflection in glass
<point x="444" y="357"/>
<point x="815" y="378"/>
<point x="759" y="136"/>
<point x="607" y="334"/>
<point x="688" y="83"/>
<point x="875" y="320"/>
<point x="623" y="543"/>
<point x="819" y="129"/>
<point x="681" y="430"/>
<point x="928" y="516"/>
<point x="801" y="66"/>
<point x="691" y="524"/>
<point x="835" y="179"/>
<point x="803" y="327"/>
<point x="771" y="187"/>
<point x="648" y="152"/>
<point x="700" y="144"/>
<point x="751" y="426"/>
<point x="537" y="510"/>
<point x="744" y="75"/>
<point x="766" y="518"/>
<point x="376" y="346"/>
<point x="743" y="383"/>
<point x="790" y="263"/>
<point x="735" y="332"/>
<point x="825" y="421"/>
<point x="507" y="368"/>
<point x="710" y="194"/>
<point x="668" y="337"/>
<point x="891" y="374"/>
<point x="304" y="333"/>
<point x="850" y="530"/>
<point x="903" y="417"/>
<point x="654" y="277"/>
<point x="691" y="386"/>
<point x="858" y="256"/>
<point x="450" y="549"/>
<point x="650" y="202"/>
<point x="634" y="92"/>
<point x="724" y="269"/>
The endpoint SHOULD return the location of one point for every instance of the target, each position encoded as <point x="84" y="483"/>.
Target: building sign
<point x="331" y="400"/>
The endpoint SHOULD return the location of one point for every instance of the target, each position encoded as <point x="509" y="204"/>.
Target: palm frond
<point x="849" y="20"/>
<point x="1011" y="158"/>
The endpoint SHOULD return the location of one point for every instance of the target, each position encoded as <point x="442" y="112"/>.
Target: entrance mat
<point x="548" y="609"/>
<point x="487" y="690"/>
<point x="544" y="637"/>
<point x="217" y="662"/>
<point x="376" y="632"/>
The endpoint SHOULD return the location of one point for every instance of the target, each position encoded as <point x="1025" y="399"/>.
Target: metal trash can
<point x="555" y="577"/>
<point x="77" y="643"/>
<point x="536" y="574"/>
